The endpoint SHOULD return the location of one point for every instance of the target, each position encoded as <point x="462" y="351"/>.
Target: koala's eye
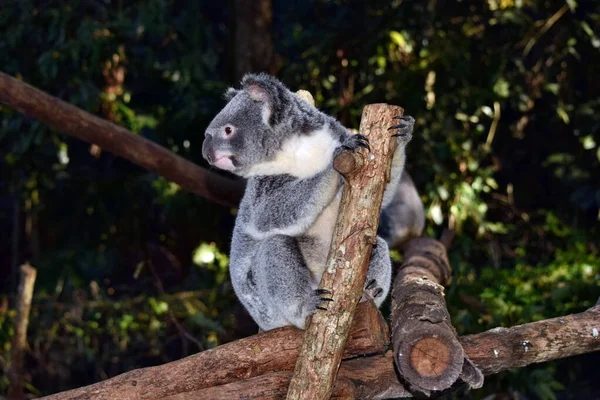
<point x="228" y="130"/>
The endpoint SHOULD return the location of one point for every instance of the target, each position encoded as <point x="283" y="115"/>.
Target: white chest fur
<point x="301" y="156"/>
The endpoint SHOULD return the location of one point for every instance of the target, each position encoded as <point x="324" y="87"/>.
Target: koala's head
<point x="244" y="133"/>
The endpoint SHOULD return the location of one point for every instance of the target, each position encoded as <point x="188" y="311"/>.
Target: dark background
<point x="132" y="271"/>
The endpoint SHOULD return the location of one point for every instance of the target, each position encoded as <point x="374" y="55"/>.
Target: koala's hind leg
<point x="290" y="288"/>
<point x="379" y="275"/>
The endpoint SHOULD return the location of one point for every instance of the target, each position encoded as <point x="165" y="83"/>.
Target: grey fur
<point x="285" y="147"/>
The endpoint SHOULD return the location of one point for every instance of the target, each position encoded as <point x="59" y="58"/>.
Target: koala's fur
<point x="285" y="147"/>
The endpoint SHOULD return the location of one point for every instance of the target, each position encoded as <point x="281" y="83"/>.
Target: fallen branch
<point x="73" y="121"/>
<point x="427" y="352"/>
<point x="349" y="254"/>
<point x="275" y="350"/>
<point x="24" y="294"/>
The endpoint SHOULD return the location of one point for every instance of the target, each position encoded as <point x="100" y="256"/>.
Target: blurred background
<point x="132" y="271"/>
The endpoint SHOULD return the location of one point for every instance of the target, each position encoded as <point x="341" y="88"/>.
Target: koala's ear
<point x="266" y="90"/>
<point x="258" y="93"/>
<point x="260" y="87"/>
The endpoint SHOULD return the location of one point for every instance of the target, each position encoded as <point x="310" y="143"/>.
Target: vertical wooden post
<point x="365" y="174"/>
<point x="24" y="295"/>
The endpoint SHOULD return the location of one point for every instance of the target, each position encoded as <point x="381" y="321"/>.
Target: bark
<point x="73" y="121"/>
<point x="275" y="350"/>
<point x="19" y="343"/>
<point x="348" y="260"/>
<point x="428" y="355"/>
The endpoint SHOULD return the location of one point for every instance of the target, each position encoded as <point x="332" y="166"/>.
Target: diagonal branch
<point x="73" y="121"/>
<point x="348" y="259"/>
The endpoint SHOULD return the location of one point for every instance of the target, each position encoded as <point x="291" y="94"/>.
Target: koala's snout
<point x="219" y="158"/>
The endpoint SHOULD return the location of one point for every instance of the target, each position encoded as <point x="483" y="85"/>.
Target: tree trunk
<point x="252" y="27"/>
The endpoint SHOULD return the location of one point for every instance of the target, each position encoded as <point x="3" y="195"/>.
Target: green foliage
<point x="132" y="271"/>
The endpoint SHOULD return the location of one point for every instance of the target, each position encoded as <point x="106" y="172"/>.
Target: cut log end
<point x="430" y="362"/>
<point x="429" y="357"/>
<point x="347" y="162"/>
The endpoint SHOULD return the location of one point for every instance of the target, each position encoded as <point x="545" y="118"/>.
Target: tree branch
<point x="348" y="260"/>
<point x="500" y="349"/>
<point x="275" y="350"/>
<point x="73" y="121"/>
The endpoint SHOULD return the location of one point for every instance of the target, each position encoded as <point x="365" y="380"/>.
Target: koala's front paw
<point x="371" y="291"/>
<point x="404" y="129"/>
<point x="313" y="301"/>
<point x="353" y="142"/>
<point x="316" y="300"/>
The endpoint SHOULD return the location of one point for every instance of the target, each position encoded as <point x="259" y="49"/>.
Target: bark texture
<point x="361" y="378"/>
<point x="19" y="343"/>
<point x="275" y="350"/>
<point x="428" y="355"/>
<point x="348" y="259"/>
<point x="73" y="121"/>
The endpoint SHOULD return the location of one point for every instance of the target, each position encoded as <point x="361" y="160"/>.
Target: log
<point x="361" y="378"/>
<point x="73" y="121"/>
<point x="428" y="355"/>
<point x="348" y="260"/>
<point x="275" y="350"/>
<point x="19" y="343"/>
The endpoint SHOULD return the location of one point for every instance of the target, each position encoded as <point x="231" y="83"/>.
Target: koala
<point x="285" y="148"/>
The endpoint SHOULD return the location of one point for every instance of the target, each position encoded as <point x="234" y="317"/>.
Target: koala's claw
<point x="355" y="141"/>
<point x="371" y="290"/>
<point x="319" y="293"/>
<point x="405" y="127"/>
